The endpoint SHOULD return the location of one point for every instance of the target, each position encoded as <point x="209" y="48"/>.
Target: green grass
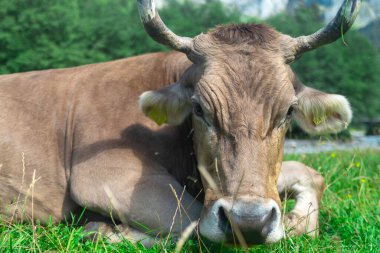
<point x="349" y="217"/>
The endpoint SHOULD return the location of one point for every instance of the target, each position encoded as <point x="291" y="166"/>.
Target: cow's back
<point x="46" y="115"/>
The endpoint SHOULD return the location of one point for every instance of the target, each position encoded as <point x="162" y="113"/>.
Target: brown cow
<point x="74" y="138"/>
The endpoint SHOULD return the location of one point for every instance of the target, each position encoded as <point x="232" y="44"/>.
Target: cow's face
<point x="242" y="95"/>
<point x="242" y="105"/>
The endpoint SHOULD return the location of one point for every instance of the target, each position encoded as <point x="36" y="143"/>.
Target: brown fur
<point x="63" y="119"/>
<point x="243" y="88"/>
<point x="253" y="34"/>
<point x="246" y="75"/>
<point x="75" y="138"/>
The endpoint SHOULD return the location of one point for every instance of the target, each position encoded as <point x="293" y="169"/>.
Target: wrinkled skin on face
<point x="242" y="95"/>
<point x="240" y="117"/>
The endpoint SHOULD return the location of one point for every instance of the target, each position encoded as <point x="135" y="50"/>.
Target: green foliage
<point x="189" y="19"/>
<point x="372" y="32"/>
<point x="43" y="34"/>
<point x="32" y="37"/>
<point x="53" y="34"/>
<point x="349" y="217"/>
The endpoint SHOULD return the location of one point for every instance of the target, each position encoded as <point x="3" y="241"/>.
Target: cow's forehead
<point x="243" y="70"/>
<point x="246" y="57"/>
<point x="233" y="99"/>
<point x="256" y="77"/>
<point x="244" y="38"/>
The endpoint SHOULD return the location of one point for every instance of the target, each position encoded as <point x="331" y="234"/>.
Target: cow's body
<point x="55" y="121"/>
<point x="56" y="129"/>
<point x="76" y="138"/>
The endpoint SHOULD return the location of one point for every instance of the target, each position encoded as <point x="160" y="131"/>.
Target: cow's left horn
<point x="330" y="33"/>
<point x="156" y="28"/>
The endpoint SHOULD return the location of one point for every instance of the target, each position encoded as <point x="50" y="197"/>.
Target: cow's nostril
<point x="222" y="215"/>
<point x="271" y="216"/>
<point x="224" y="222"/>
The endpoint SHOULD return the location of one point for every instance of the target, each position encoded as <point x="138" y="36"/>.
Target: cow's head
<point x="242" y="94"/>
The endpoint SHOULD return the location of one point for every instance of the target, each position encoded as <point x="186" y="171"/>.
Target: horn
<point x="156" y="28"/>
<point x="330" y="33"/>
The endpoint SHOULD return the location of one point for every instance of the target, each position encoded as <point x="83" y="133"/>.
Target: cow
<point x="209" y="151"/>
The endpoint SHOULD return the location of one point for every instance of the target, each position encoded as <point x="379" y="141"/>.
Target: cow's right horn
<point x="158" y="30"/>
<point x="333" y="31"/>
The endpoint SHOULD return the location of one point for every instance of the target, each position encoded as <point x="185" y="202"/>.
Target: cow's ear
<point x="319" y="113"/>
<point x="169" y="105"/>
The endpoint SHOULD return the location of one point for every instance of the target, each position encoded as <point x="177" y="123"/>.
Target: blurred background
<point x="44" y="34"/>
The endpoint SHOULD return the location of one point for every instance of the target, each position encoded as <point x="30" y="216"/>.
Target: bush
<point x="45" y="34"/>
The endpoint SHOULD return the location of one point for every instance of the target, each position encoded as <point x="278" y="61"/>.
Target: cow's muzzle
<point x="258" y="220"/>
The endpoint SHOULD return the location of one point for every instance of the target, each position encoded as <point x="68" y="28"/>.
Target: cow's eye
<point x="289" y="115"/>
<point x="197" y="108"/>
<point x="290" y="112"/>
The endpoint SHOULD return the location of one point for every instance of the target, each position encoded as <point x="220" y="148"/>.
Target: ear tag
<point x="318" y="120"/>
<point x="157" y="116"/>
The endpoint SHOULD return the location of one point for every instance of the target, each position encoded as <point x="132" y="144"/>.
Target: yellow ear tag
<point x="157" y="116"/>
<point x="317" y="120"/>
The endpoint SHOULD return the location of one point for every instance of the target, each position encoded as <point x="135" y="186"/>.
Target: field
<point x="349" y="217"/>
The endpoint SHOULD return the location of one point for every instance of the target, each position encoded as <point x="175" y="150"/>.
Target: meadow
<point x="349" y="217"/>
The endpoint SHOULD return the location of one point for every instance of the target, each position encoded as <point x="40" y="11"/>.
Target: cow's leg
<point x="305" y="185"/>
<point x="151" y="201"/>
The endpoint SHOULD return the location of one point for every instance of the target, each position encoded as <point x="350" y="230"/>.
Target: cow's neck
<point x="179" y="157"/>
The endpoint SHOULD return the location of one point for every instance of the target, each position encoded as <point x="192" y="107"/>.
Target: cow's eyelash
<point x="289" y="114"/>
<point x="198" y="110"/>
<point x="290" y="111"/>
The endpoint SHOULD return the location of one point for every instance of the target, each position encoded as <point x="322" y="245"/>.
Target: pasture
<point x="349" y="217"/>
